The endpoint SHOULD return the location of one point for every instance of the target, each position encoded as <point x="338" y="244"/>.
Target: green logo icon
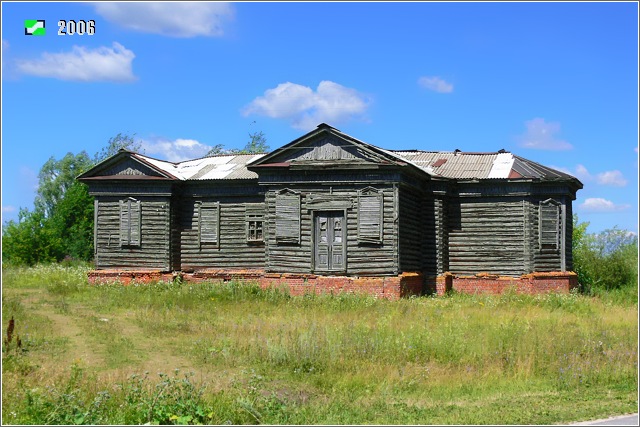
<point x="34" y="27"/>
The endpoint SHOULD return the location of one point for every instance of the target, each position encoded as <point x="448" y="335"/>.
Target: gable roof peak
<point x="326" y="126"/>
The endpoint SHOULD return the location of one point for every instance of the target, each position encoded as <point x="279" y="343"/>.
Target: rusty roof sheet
<point x="207" y="168"/>
<point x="455" y="165"/>
<point x="498" y="165"/>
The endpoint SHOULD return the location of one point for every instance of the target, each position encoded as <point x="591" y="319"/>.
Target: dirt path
<point x="147" y="352"/>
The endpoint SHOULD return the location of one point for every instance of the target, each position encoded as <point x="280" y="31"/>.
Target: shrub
<point x="606" y="260"/>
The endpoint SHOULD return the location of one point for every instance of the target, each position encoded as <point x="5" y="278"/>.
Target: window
<point x="370" y="215"/>
<point x="209" y="223"/>
<point x="550" y="224"/>
<point x="130" y="219"/>
<point x="287" y="217"/>
<point x="255" y="222"/>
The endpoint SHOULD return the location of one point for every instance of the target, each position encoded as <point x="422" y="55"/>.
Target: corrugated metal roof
<point x="207" y="168"/>
<point x="456" y="166"/>
<point x="460" y="165"/>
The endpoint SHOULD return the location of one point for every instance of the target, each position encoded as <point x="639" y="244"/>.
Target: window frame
<point x="287" y="217"/>
<point x="130" y="222"/>
<point x="554" y="218"/>
<point x="365" y="236"/>
<point x="254" y="213"/>
<point x="215" y="217"/>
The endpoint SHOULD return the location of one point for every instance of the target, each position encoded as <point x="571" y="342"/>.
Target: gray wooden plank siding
<point x="176" y="238"/>
<point x="154" y="249"/>
<point x="233" y="250"/>
<point x="362" y="259"/>
<point x="417" y="232"/>
<point x="486" y="235"/>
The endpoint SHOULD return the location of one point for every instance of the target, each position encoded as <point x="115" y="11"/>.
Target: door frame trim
<point x="314" y="214"/>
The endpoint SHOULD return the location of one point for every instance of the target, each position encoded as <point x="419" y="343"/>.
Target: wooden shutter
<point x="130" y="222"/>
<point x="288" y="217"/>
<point x="209" y="222"/>
<point x="549" y="224"/>
<point x="370" y="215"/>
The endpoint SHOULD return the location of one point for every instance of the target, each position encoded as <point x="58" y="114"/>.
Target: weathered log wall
<point x="233" y="249"/>
<point x="417" y="231"/>
<point x="486" y="235"/>
<point x="154" y="248"/>
<point x="361" y="258"/>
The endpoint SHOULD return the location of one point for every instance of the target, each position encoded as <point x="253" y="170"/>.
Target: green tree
<point x="61" y="223"/>
<point x="117" y="143"/>
<point x="30" y="240"/>
<point x="606" y="260"/>
<point x="55" y="177"/>
<point x="257" y="144"/>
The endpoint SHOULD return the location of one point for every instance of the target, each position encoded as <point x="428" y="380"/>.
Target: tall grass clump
<point x="58" y="279"/>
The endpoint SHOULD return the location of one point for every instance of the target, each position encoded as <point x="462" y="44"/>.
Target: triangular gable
<point x="125" y="165"/>
<point x="327" y="144"/>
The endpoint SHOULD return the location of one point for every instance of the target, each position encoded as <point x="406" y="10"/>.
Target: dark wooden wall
<point x="154" y="249"/>
<point x="361" y="259"/>
<point x="233" y="250"/>
<point x="417" y="231"/>
<point x="550" y="259"/>
<point x="486" y="234"/>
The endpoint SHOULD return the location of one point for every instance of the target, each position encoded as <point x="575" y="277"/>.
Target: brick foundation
<point x="533" y="283"/>
<point x="391" y="287"/>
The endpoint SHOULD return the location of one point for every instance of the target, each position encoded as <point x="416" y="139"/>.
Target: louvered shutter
<point x="288" y="217"/>
<point x="370" y="214"/>
<point x="130" y="222"/>
<point x="208" y="222"/>
<point x="135" y="212"/>
<point x="124" y="222"/>
<point x="549" y="225"/>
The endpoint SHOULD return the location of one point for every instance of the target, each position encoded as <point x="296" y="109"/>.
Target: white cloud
<point x="83" y="64"/>
<point x="173" y="19"/>
<point x="305" y="109"/>
<point x="435" y="84"/>
<point x="611" y="178"/>
<point x="597" y="204"/>
<point x="582" y="173"/>
<point x="175" y="151"/>
<point x="541" y="135"/>
<point x="8" y="209"/>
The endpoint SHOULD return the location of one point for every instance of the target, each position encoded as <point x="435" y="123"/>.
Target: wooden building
<point x="328" y="212"/>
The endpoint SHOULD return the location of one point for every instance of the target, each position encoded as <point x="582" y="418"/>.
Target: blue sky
<point x="556" y="83"/>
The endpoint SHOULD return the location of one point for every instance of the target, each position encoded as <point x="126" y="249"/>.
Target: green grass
<point x="108" y="354"/>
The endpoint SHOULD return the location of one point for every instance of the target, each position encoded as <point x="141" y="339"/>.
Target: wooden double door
<point x="329" y="241"/>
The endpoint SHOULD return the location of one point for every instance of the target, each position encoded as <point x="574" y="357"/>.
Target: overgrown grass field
<point x="233" y="353"/>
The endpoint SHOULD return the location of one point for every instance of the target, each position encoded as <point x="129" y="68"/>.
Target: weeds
<point x="267" y="357"/>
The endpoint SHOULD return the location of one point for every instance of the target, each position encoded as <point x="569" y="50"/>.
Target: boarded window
<point x="370" y="215"/>
<point x="209" y="223"/>
<point x="550" y="224"/>
<point x="130" y="220"/>
<point x="288" y="217"/>
<point x="255" y="222"/>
